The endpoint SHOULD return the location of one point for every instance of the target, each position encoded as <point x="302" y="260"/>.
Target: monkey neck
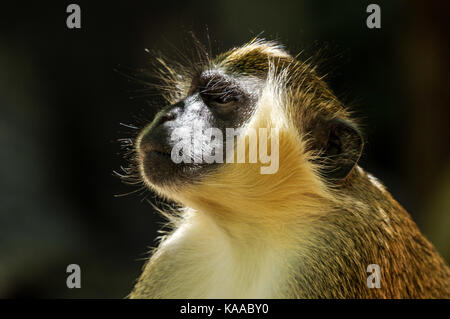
<point x="333" y="247"/>
<point x="268" y="224"/>
<point x="245" y="203"/>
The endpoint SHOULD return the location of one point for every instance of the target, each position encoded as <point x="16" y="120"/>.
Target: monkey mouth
<point x="158" y="168"/>
<point x="161" y="153"/>
<point x="154" y="148"/>
<point x="164" y="154"/>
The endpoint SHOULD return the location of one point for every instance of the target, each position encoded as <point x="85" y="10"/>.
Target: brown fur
<point x="324" y="234"/>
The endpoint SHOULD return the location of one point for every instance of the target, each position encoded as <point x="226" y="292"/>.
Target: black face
<point x="216" y="100"/>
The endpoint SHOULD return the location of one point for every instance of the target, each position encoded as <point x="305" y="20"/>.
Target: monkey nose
<point x="155" y="139"/>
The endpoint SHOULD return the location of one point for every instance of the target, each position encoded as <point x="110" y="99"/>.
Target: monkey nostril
<point x="167" y="117"/>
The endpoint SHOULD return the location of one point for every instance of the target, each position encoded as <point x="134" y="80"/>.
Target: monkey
<point x="309" y="230"/>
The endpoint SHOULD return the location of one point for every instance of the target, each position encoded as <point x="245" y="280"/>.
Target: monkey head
<point x="256" y="86"/>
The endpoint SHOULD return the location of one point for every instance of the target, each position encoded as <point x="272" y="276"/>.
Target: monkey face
<point x="256" y="86"/>
<point x="177" y="147"/>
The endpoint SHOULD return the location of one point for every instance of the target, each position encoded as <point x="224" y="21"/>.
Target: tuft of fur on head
<point x="174" y="76"/>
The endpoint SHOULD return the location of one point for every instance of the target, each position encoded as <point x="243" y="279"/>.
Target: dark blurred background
<point x="61" y="102"/>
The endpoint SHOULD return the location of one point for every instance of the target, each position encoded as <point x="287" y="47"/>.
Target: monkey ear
<point x="340" y="145"/>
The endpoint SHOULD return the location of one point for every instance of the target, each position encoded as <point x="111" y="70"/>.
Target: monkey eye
<point x="225" y="98"/>
<point x="220" y="93"/>
<point x="222" y="100"/>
